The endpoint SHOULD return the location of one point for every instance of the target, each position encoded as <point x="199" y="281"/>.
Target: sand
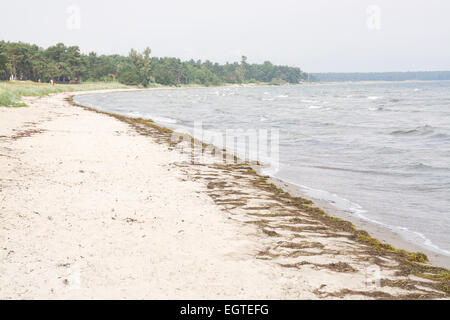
<point x="92" y="207"/>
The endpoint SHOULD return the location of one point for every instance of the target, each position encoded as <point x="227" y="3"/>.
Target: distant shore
<point x="97" y="205"/>
<point x="370" y="82"/>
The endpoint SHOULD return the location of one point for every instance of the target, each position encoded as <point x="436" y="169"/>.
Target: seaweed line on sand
<point x="293" y="226"/>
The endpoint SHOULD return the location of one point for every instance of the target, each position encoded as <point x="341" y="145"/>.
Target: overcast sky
<point x="315" y="35"/>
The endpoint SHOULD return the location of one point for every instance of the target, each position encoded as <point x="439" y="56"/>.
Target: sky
<point x="315" y="35"/>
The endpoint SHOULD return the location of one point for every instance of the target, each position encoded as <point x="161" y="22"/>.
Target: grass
<point x="11" y="92"/>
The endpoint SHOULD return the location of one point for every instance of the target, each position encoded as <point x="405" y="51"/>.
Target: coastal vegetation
<point x="11" y="92"/>
<point x="66" y="64"/>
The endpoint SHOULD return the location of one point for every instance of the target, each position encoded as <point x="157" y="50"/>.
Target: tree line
<point x="63" y="64"/>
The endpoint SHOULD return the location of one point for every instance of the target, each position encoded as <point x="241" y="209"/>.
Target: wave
<point x="422" y="166"/>
<point x="163" y="119"/>
<point x="422" y="130"/>
<point x="160" y="119"/>
<point x="345" y="169"/>
<point x="440" y="136"/>
<point x="137" y="114"/>
<point x="426" y="242"/>
<point x="132" y="114"/>
<point x="353" y="208"/>
<point x="362" y="171"/>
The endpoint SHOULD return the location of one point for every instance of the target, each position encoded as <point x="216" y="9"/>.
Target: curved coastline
<point x="376" y="230"/>
<point x="88" y="199"/>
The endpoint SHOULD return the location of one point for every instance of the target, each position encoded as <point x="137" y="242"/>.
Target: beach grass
<point x="11" y="92"/>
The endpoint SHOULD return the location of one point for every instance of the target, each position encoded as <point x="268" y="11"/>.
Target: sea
<point x="379" y="151"/>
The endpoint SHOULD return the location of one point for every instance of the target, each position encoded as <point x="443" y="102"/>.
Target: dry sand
<point x="94" y="207"/>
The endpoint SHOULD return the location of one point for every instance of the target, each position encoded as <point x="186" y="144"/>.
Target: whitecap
<point x="163" y="119"/>
<point x="346" y="205"/>
<point x="132" y="114"/>
<point x="425" y="241"/>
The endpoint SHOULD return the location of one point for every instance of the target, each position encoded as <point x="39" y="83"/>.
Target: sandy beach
<point x="95" y="206"/>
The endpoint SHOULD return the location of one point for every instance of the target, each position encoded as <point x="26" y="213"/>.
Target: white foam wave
<point x="427" y="242"/>
<point x="357" y="210"/>
<point x="163" y="119"/>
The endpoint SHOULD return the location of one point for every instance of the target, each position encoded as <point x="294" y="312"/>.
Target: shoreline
<point x="98" y="205"/>
<point x="378" y="231"/>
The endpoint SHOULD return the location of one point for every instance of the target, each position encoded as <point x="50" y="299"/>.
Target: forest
<point x="66" y="64"/>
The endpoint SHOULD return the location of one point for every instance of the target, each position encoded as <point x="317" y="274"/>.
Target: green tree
<point x="128" y="74"/>
<point x="4" y="69"/>
<point x="142" y="65"/>
<point x="65" y="63"/>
